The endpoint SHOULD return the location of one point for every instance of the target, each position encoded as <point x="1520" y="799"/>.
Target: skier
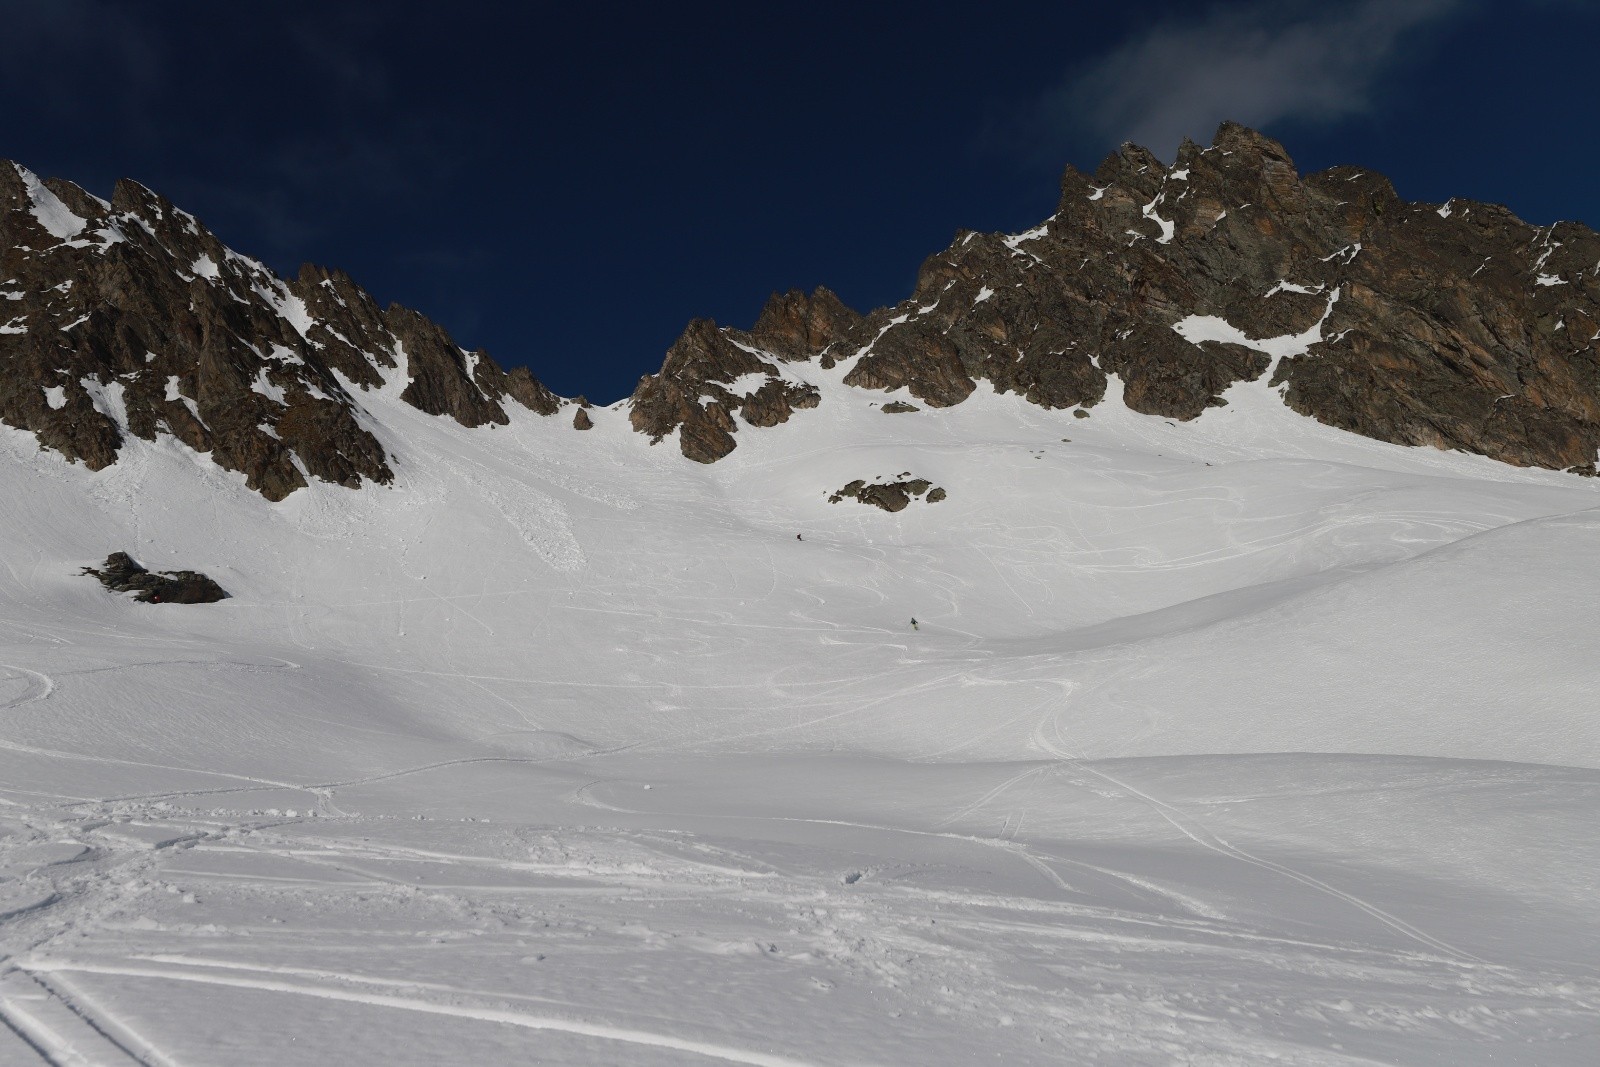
<point x="797" y="537"/>
<point x="914" y="624"/>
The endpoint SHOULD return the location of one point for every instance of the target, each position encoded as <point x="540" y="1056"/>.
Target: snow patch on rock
<point x="56" y="218"/>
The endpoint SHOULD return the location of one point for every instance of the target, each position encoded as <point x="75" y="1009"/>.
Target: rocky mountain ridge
<point x="1457" y="326"/>
<point x="129" y="317"/>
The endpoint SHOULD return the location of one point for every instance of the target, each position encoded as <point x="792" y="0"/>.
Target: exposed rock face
<point x="122" y="575"/>
<point x="712" y="374"/>
<point x="581" y="420"/>
<point x="890" y="496"/>
<point x="129" y="317"/>
<point x="1457" y="326"/>
<point x="797" y="326"/>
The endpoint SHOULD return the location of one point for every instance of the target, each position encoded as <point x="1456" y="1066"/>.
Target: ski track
<point x="63" y="1030"/>
<point x="1190" y="828"/>
<point x="601" y="1032"/>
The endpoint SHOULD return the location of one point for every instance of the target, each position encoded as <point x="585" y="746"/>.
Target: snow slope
<point x="1229" y="742"/>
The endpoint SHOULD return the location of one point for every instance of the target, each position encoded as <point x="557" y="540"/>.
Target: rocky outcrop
<point x="797" y="326"/>
<point x="712" y="375"/>
<point x="121" y="574"/>
<point x="129" y="317"/>
<point x="890" y="496"/>
<point x="1457" y="326"/>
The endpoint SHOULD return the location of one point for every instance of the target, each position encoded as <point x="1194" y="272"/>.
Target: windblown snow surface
<point x="1241" y="741"/>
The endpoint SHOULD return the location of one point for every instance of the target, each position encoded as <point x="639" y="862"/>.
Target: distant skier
<point x="797" y="537"/>
<point x="914" y="624"/>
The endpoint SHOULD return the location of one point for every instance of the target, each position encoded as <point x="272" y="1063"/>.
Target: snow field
<point x="1229" y="742"/>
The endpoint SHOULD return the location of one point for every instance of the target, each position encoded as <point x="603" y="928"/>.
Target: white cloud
<point x="1257" y="63"/>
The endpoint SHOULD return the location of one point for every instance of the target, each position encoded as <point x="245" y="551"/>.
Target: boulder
<point x="122" y="574"/>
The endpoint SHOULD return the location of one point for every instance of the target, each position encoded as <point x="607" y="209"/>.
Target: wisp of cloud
<point x="1257" y="64"/>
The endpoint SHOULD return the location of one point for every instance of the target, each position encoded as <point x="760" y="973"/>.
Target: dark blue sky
<point x="568" y="187"/>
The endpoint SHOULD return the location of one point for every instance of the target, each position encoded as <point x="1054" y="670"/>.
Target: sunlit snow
<point x="1199" y="328"/>
<point x="264" y="386"/>
<point x="1168" y="228"/>
<point x="56" y="218"/>
<point x="1235" y="741"/>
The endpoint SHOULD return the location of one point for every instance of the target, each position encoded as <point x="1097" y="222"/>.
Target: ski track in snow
<point x="1194" y="831"/>
<point x="519" y="1019"/>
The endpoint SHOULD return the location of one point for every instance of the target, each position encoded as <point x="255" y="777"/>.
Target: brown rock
<point x="920" y="359"/>
<point x="139" y="322"/>
<point x="889" y="496"/>
<point x="1456" y="326"/>
<point x="797" y="326"/>
<point x="443" y="376"/>
<point x="692" y="392"/>
<point x="1166" y="375"/>
<point x="121" y="574"/>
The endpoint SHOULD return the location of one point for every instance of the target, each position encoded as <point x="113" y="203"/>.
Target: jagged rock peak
<point x="129" y="317"/>
<point x="712" y="374"/>
<point x="1457" y="326"/>
<point x="796" y="326"/>
<point x="1237" y="137"/>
